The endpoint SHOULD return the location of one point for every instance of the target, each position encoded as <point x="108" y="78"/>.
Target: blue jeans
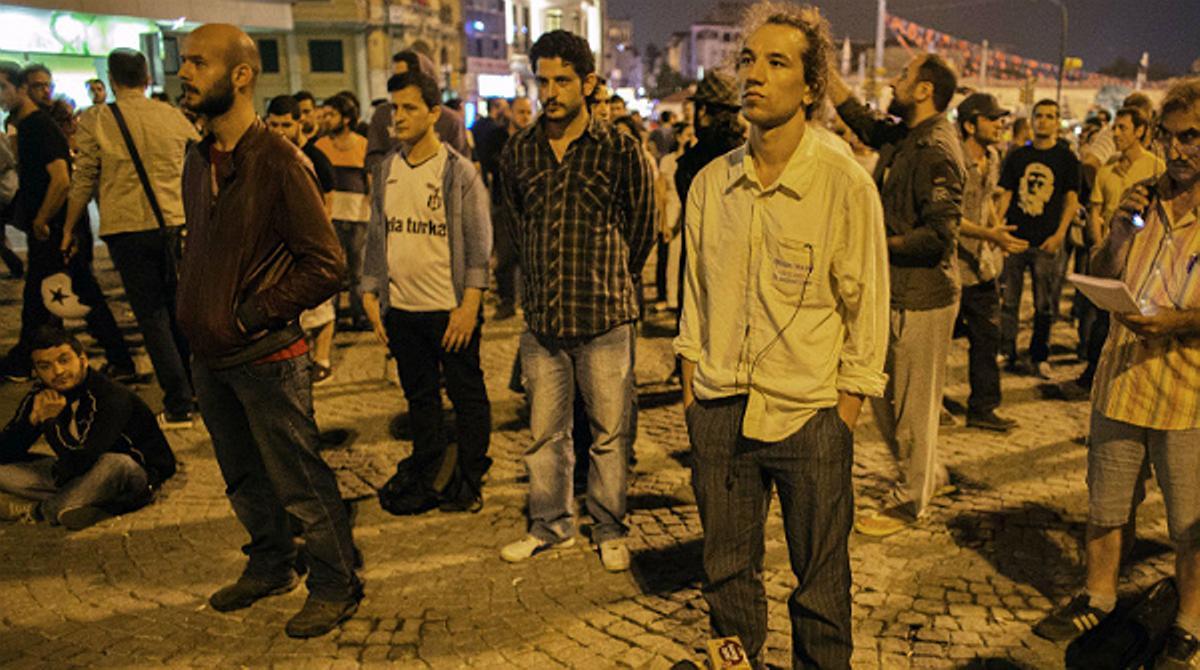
<point x="353" y="236"/>
<point x="260" y="417"/>
<point x="602" y="366"/>
<point x="1042" y="269"/>
<point x="115" y="483"/>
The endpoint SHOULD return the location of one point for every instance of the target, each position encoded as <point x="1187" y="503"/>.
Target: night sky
<point x="1099" y="30"/>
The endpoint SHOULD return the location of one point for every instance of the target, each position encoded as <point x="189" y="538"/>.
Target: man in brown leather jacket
<point x="261" y="249"/>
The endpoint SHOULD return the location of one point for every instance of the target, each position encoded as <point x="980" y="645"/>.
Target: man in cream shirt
<point x="783" y="334"/>
<point x="127" y="221"/>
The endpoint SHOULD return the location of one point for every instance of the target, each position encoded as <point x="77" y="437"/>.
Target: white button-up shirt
<point x="786" y="296"/>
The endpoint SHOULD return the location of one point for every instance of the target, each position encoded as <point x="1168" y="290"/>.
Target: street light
<point x="1062" y="48"/>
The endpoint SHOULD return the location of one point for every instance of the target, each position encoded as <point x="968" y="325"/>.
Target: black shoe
<point x="78" y="518"/>
<point x="1016" y="365"/>
<point x="1070" y="620"/>
<point x="471" y="502"/>
<point x="1179" y="651"/>
<point x="1073" y="391"/>
<point x="504" y="310"/>
<point x="248" y="590"/>
<point x="990" y="421"/>
<point x="318" y="617"/>
<point x="10" y="371"/>
<point x="953" y="406"/>
<point x="125" y="374"/>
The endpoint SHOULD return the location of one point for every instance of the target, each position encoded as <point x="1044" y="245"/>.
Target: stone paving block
<point x="988" y="562"/>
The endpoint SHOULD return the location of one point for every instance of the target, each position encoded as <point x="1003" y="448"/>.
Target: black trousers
<point x="45" y="259"/>
<point x="150" y="280"/>
<point x="507" y="260"/>
<point x="661" y="250"/>
<point x="415" y="339"/>
<point x="979" y="310"/>
<point x="733" y="477"/>
<point x="1097" y="334"/>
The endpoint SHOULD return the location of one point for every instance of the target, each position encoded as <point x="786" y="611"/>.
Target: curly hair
<point x="571" y="48"/>
<point x="818" y="39"/>
<point x="344" y="106"/>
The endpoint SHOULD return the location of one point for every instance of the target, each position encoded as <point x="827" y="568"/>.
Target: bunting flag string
<point x="1001" y="65"/>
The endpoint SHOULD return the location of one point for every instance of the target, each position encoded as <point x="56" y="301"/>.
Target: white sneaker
<point x="14" y="508"/>
<point x="614" y="555"/>
<point x="528" y="546"/>
<point x="167" y="422"/>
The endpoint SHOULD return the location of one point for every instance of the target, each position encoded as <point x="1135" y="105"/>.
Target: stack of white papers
<point x="1110" y="295"/>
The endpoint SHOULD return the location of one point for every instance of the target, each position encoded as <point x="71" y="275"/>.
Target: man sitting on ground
<point x="110" y="456"/>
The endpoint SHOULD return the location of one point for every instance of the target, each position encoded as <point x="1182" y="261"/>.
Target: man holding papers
<point x="1146" y="393"/>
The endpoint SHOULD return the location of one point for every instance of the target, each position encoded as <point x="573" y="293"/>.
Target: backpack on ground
<point x="420" y="482"/>
<point x="1129" y="638"/>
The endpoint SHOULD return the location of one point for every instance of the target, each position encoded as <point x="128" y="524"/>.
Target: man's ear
<point x="923" y="90"/>
<point x="436" y="111"/>
<point x="589" y="85"/>
<point x="242" y="76"/>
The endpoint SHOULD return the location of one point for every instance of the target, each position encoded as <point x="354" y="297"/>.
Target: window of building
<point x="326" y="56"/>
<point x="268" y="51"/>
<point x="170" y="55"/>
<point x="553" y="19"/>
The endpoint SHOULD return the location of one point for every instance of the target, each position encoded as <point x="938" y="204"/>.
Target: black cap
<point x="980" y="104"/>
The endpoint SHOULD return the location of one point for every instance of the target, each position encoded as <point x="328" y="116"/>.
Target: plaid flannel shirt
<point x="583" y="227"/>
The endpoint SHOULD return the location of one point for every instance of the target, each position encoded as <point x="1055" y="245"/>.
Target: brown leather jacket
<point x="260" y="253"/>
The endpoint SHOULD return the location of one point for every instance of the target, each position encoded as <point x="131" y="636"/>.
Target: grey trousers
<point x="733" y="477"/>
<point x="909" y="411"/>
<point x="116" y="483"/>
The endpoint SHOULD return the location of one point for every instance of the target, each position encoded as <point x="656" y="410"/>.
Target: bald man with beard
<point x="261" y="250"/>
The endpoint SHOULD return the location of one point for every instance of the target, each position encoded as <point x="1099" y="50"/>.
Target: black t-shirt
<point x="321" y="165"/>
<point x="1039" y="180"/>
<point x="40" y="142"/>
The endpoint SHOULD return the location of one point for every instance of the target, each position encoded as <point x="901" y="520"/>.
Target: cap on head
<point x="980" y="104"/>
<point x="717" y="89"/>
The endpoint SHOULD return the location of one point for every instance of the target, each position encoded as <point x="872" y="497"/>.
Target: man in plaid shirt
<point x="581" y="202"/>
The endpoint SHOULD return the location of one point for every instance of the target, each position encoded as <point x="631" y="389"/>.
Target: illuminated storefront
<point x="73" y="45"/>
<point x="73" y="37"/>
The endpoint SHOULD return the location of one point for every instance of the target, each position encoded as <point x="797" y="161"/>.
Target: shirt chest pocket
<point x="595" y="195"/>
<point x="532" y="187"/>
<point x="788" y="266"/>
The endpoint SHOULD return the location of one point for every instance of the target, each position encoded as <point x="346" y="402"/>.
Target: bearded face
<point x="211" y="103"/>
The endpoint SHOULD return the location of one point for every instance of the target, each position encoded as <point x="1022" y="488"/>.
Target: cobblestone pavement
<point x="958" y="591"/>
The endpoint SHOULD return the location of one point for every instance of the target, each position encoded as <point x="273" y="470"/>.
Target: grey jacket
<point x="920" y="174"/>
<point x="468" y="217"/>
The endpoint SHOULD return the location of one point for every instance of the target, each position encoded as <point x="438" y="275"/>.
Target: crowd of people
<point x="819" y="255"/>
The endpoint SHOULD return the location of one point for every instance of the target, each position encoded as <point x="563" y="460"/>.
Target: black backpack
<point x="1129" y="638"/>
<point x="421" y="482"/>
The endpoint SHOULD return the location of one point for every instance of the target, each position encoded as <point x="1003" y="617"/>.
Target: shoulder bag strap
<point x="137" y="164"/>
